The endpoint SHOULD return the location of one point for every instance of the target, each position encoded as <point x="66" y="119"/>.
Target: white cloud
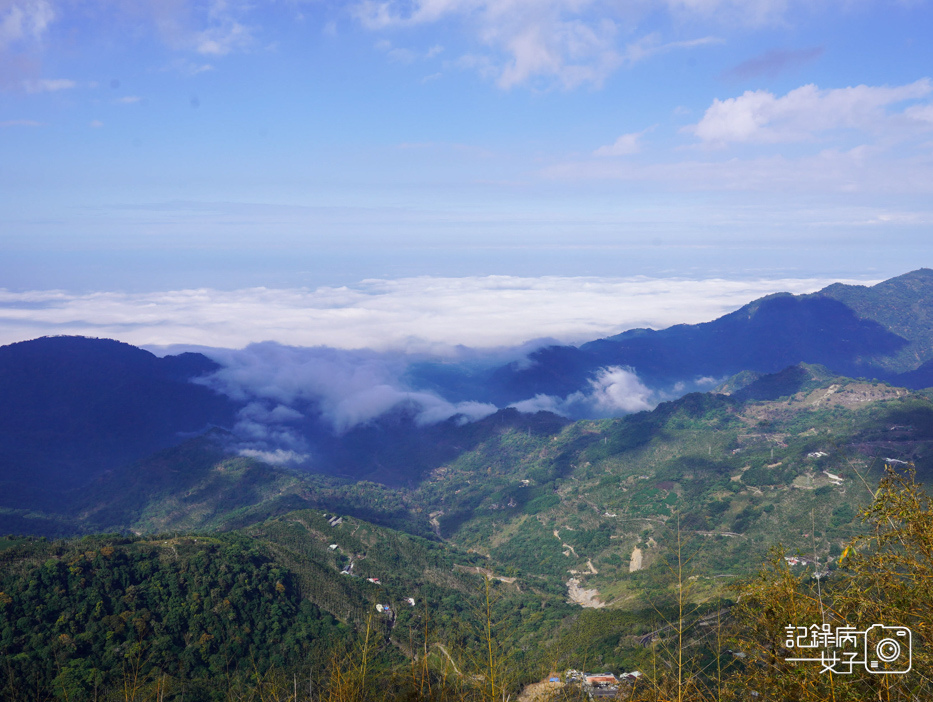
<point x="571" y="42"/>
<point x="923" y="113"/>
<point x="20" y="123"/>
<point x="433" y="412"/>
<point x="613" y="391"/>
<point x="744" y="12"/>
<point x="761" y="117"/>
<point x="616" y="389"/>
<point x="223" y="38"/>
<point x="285" y="384"/>
<point x="128" y="100"/>
<point x="560" y="42"/>
<point x="651" y="45"/>
<point x="625" y="145"/>
<point x="48" y="85"/>
<point x="209" y="27"/>
<point x="189" y="68"/>
<point x="399" y="55"/>
<point x="416" y="314"/>
<point x="278" y="457"/>
<point x="405" y="55"/>
<point x="539" y="403"/>
<point x="572" y="51"/>
<point x="23" y="20"/>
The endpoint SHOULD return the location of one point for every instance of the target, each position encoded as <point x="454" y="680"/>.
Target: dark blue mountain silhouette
<point x="74" y="407"/>
<point x="766" y="336"/>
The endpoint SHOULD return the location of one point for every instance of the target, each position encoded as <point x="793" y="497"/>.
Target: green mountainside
<point x="203" y="613"/>
<point x="237" y="568"/>
<point x="187" y="607"/>
<point x="580" y="509"/>
<point x="198" y="486"/>
<point x="604" y="498"/>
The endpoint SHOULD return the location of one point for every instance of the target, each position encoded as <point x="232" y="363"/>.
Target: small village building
<point x="601" y="680"/>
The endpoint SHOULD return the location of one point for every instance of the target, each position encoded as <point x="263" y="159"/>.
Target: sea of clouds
<point x="342" y="355"/>
<point x="419" y="314"/>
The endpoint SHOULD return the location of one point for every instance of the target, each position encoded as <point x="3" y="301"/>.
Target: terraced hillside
<point x="595" y="505"/>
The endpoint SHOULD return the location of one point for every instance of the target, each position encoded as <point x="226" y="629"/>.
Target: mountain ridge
<point x="883" y="331"/>
<point x="75" y="407"/>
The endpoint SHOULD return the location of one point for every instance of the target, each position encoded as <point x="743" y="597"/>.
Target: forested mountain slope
<point x="196" y="616"/>
<point x="75" y="407"/>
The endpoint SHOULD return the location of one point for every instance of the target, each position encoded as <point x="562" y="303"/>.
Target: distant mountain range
<point x="883" y="332"/>
<point x="76" y="408"/>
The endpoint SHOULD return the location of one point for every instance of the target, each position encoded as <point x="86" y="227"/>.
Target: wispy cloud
<point x="737" y="12"/>
<point x="394" y="53"/>
<point x="625" y="145"/>
<point x="651" y="45"/>
<point x="224" y="37"/>
<point x="283" y="385"/>
<point x="207" y="27"/>
<point x="189" y="68"/>
<point x="860" y="169"/>
<point x="20" y="123"/>
<point x="48" y="85"/>
<point x="24" y="20"/>
<point x="406" y="55"/>
<point x="413" y="314"/>
<point x="567" y="43"/>
<point x="921" y="113"/>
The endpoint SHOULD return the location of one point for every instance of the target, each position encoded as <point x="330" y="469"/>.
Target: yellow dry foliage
<point x="885" y="580"/>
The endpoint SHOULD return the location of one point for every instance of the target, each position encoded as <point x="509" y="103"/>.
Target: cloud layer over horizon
<point x="297" y="361"/>
<point x="417" y="315"/>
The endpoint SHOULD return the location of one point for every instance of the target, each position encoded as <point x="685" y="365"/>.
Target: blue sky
<point x="158" y="146"/>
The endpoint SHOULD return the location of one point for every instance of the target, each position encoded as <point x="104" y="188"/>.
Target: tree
<point x="885" y="579"/>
